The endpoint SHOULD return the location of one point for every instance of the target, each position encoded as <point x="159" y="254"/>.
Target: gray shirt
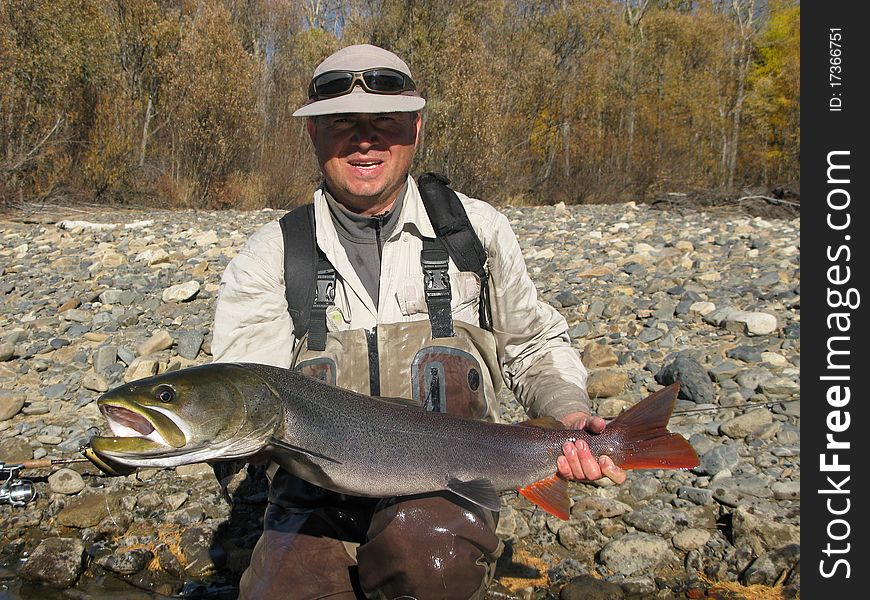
<point x="363" y="238"/>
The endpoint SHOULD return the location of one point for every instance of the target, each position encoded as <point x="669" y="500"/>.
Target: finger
<point x="563" y="468"/>
<point x="595" y="424"/>
<point x="590" y="469"/>
<point x="611" y="471"/>
<point x="573" y="460"/>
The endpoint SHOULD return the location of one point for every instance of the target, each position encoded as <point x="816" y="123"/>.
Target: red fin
<point x="551" y="494"/>
<point x="645" y="441"/>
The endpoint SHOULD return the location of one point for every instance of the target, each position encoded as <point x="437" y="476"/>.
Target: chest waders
<point x="440" y="364"/>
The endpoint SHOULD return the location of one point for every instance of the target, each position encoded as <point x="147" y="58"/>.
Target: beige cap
<point x="360" y="58"/>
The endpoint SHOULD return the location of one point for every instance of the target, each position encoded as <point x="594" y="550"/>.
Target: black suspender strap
<point x="324" y="297"/>
<point x="304" y="262"/>
<point x="453" y="228"/>
<point x="436" y="286"/>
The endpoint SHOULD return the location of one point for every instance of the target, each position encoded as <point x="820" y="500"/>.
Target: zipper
<point x="374" y="361"/>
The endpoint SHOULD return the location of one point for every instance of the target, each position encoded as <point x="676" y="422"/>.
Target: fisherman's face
<point x="365" y="158"/>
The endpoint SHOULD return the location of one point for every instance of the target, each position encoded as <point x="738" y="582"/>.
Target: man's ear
<point x="311" y="126"/>
<point x="419" y="125"/>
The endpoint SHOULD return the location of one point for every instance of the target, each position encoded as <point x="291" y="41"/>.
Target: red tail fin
<point x="645" y="441"/>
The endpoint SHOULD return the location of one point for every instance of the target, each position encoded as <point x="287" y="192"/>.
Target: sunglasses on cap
<point x="374" y="81"/>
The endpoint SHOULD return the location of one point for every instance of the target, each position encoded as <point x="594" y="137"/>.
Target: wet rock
<point x="772" y="566"/>
<point x="56" y="562"/>
<point x="88" y="510"/>
<point x="587" y="587"/>
<point x="126" y="561"/>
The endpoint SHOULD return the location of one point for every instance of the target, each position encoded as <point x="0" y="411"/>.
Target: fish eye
<point x="164" y="393"/>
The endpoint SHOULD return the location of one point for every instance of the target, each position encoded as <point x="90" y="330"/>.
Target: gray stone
<point x="7" y="351"/>
<point x="754" y="377"/>
<point x="786" y="490"/>
<point x="188" y="343"/>
<point x="690" y="539"/>
<point x="10" y="404"/>
<point x="637" y="553"/>
<point x="644" y="487"/>
<point x="159" y="340"/>
<point x="719" y="458"/>
<point x="769" y="568"/>
<point x="182" y="292"/>
<point x="104" y="357"/>
<point x="66" y="481"/>
<point x="695" y="384"/>
<point x="651" y="519"/>
<point x="753" y="323"/>
<point x="747" y="423"/>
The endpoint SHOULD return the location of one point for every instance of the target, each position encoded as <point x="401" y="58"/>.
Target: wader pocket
<point x="322" y="368"/>
<point x="448" y="380"/>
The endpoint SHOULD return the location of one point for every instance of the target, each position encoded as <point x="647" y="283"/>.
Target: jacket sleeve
<point x="251" y="321"/>
<point x="538" y="362"/>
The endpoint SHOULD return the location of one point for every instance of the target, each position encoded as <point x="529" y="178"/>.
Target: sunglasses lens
<point x="331" y="83"/>
<point x="384" y="81"/>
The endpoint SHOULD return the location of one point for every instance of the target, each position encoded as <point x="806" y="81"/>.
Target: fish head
<point x="201" y="414"/>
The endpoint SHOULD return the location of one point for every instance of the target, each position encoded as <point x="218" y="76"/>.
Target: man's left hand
<point x="577" y="462"/>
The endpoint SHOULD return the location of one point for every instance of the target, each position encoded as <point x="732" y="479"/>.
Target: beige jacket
<point x="537" y="361"/>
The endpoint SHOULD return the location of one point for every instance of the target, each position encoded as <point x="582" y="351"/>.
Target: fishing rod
<point x="742" y="407"/>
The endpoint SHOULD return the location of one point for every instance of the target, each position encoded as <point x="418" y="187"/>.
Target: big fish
<point x="359" y="445"/>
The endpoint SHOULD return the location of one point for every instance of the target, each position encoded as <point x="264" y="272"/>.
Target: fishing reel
<point x="13" y="489"/>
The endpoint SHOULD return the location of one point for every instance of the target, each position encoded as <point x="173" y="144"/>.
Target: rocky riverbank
<point x="90" y="300"/>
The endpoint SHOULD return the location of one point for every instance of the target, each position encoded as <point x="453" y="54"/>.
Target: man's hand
<point x="577" y="462"/>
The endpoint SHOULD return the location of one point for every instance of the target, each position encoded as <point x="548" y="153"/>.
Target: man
<point x="380" y="337"/>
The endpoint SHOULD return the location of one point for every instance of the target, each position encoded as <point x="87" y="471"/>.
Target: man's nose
<point x="364" y="133"/>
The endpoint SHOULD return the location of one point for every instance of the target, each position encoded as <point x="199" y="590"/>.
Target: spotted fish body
<point x="359" y="445"/>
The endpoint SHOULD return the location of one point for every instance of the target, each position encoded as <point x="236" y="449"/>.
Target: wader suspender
<point x="307" y="304"/>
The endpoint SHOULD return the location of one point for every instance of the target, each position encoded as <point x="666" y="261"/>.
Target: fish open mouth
<point x="123" y="417"/>
<point x="131" y="421"/>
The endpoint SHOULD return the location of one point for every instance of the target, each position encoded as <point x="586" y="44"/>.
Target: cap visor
<point x="360" y="101"/>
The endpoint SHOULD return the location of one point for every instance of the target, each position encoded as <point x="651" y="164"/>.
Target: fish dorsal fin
<point x="290" y="447"/>
<point x="543" y="423"/>
<point x="480" y="491"/>
<point x="551" y="494"/>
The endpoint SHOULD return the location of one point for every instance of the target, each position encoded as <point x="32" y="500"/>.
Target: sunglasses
<point x="374" y="81"/>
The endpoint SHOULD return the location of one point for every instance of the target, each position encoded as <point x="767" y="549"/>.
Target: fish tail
<point x="645" y="441"/>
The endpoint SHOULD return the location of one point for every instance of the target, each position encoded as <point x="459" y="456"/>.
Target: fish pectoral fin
<point x="551" y="494"/>
<point x="291" y="448"/>
<point x="480" y="491"/>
